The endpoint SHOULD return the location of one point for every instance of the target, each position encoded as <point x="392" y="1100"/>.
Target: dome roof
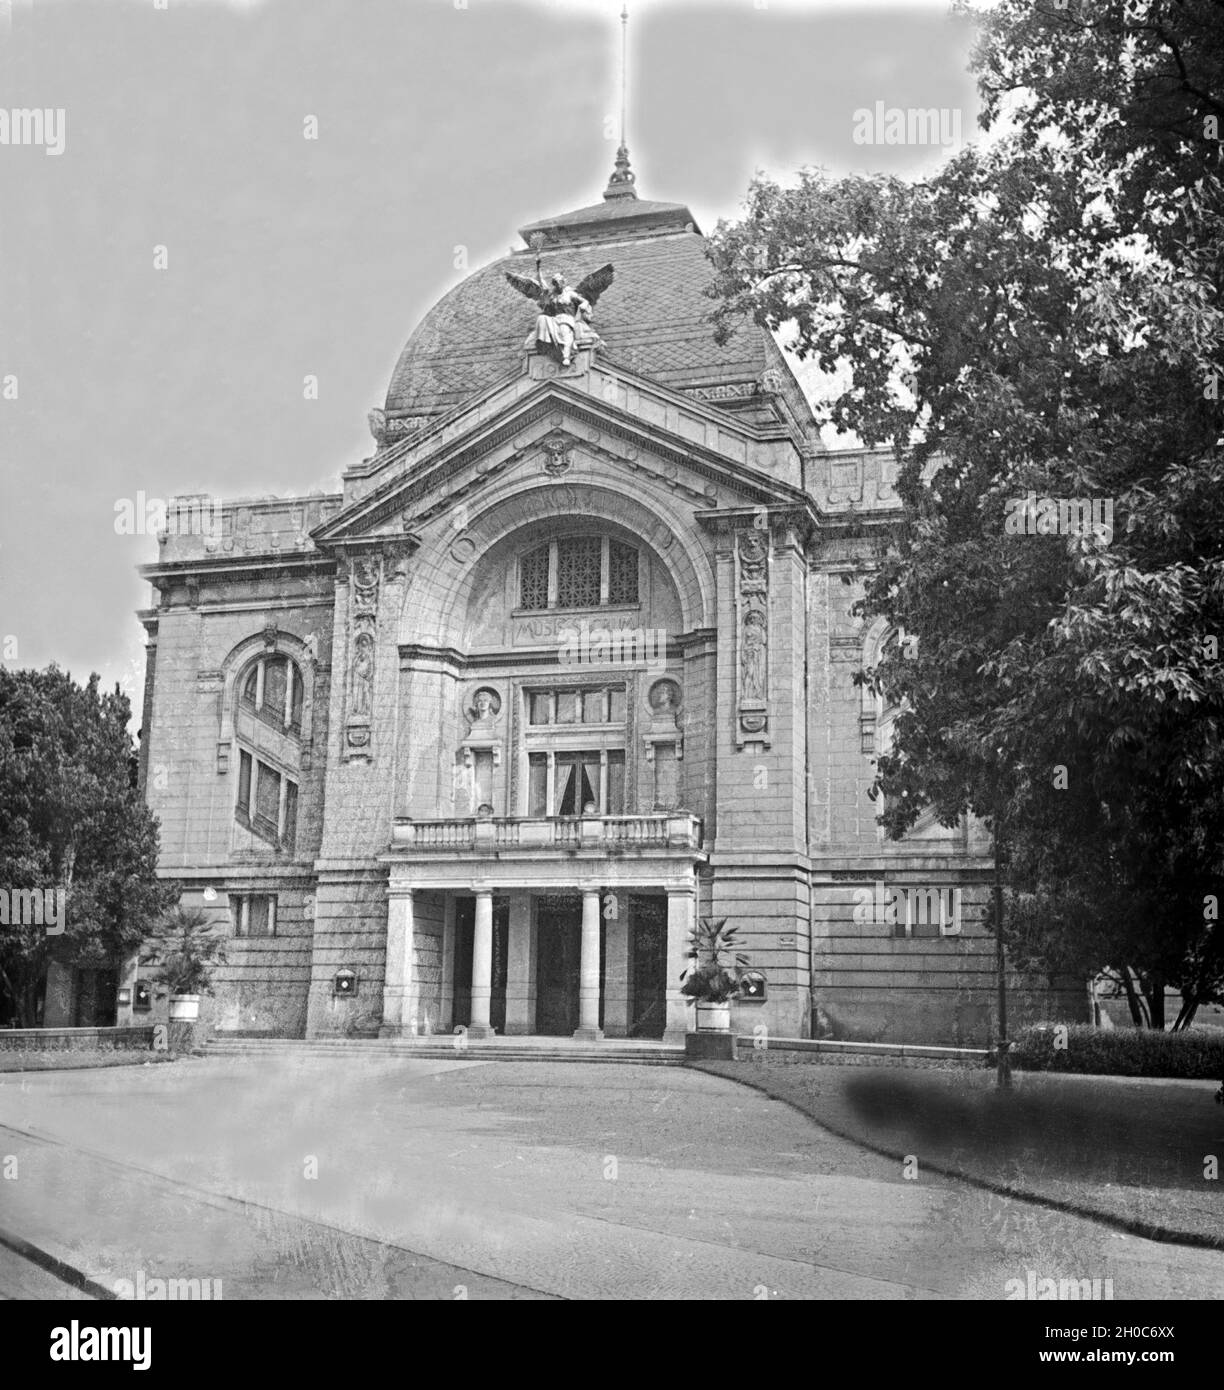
<point x="654" y="320"/>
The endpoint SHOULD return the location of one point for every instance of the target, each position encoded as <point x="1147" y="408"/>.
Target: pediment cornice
<point x="552" y="422"/>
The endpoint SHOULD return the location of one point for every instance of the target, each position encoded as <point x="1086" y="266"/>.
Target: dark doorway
<point x="465" y="941"/>
<point x="558" y="959"/>
<point x="559" y="963"/>
<point x="647" y="965"/>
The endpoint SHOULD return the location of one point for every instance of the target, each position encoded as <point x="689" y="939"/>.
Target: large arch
<point x="447" y="566"/>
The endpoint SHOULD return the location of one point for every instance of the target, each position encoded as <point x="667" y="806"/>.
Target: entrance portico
<point x="584" y="943"/>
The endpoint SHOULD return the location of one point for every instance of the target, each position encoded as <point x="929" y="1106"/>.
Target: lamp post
<point x="1002" y="1045"/>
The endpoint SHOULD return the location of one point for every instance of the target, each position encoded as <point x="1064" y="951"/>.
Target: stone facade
<point x="567" y="663"/>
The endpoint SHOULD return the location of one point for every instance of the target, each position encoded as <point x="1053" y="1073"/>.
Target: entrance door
<point x="647" y="966"/>
<point x="558" y="961"/>
<point x="465" y="941"/>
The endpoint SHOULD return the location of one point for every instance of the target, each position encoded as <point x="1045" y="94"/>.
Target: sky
<point x="442" y="127"/>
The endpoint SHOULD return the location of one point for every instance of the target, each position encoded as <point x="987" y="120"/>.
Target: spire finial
<point x="620" y="185"/>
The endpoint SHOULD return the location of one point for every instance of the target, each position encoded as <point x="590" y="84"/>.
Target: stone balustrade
<point x="662" y="830"/>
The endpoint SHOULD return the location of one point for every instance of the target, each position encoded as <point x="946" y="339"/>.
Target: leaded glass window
<point x="534" y="579"/>
<point x="622" y="573"/>
<point x="579" y="562"/>
<point x="578" y="572"/>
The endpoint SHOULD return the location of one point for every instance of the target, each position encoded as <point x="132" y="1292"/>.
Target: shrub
<point x="1196" y="1055"/>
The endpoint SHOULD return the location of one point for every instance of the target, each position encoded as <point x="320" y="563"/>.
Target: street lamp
<point x="1002" y="1045"/>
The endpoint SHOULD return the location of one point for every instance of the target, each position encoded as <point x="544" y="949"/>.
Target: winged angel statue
<point x="565" y="313"/>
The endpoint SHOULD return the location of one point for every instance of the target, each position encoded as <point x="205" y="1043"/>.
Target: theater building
<point x="566" y="664"/>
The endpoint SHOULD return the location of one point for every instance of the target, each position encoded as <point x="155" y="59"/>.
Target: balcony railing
<point x="482" y="835"/>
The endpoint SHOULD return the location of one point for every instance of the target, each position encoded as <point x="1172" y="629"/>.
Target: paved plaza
<point x="385" y="1177"/>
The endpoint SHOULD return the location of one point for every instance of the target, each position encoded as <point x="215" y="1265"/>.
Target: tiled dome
<point x="654" y="320"/>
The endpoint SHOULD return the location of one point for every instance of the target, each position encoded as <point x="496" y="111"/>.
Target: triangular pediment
<point x="636" y="432"/>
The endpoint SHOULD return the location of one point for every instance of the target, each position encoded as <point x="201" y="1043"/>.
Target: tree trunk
<point x="1133" y="1002"/>
<point x="1154" y="992"/>
<point x="1190" y="1006"/>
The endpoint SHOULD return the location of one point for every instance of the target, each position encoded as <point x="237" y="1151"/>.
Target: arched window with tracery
<point x="272" y="691"/>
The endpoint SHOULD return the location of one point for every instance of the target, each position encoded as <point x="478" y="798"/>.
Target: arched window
<point x="273" y="691"/>
<point x="578" y="572"/>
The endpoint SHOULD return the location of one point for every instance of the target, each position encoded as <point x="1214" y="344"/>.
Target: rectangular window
<point x="615" y="799"/>
<point x="579" y="566"/>
<point x="267" y="802"/>
<point x="533" y="579"/>
<point x="602" y="706"/>
<point x="926" y="912"/>
<point x="590" y="783"/>
<point x="537" y="784"/>
<point x="622" y="573"/>
<point x="267" y="799"/>
<point x="578" y="572"/>
<point x="253" y="914"/>
<point x="566" y="793"/>
<point x="289" y="830"/>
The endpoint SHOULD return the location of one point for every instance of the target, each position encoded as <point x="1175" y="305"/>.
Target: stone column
<point x="399" y="987"/>
<point x="588" y="1029"/>
<point x="446" y="1014"/>
<point x="482" y="967"/>
<point x="681" y="917"/>
<point x="520" y="968"/>
<point x="616" y="968"/>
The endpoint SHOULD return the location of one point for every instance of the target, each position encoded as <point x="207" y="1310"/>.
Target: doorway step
<point x="635" y="1051"/>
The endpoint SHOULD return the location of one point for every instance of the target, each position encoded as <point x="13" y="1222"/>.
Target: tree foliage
<point x="1043" y="316"/>
<point x="71" y="819"/>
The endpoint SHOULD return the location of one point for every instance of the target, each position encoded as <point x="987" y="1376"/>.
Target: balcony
<point x="665" y="830"/>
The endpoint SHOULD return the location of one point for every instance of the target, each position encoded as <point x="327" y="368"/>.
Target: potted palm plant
<point x="187" y="950"/>
<point x="710" y="984"/>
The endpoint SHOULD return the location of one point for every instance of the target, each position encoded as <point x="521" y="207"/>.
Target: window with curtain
<point x="586" y="782"/>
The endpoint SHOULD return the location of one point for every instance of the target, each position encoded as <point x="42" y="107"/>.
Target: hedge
<point x="1078" y="1047"/>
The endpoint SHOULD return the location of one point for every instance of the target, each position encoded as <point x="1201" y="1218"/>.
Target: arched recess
<point x="447" y="567"/>
<point x="877" y="719"/>
<point x="236" y="668"/>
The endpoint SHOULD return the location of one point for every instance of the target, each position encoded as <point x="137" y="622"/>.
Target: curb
<point x="1146" y="1230"/>
<point x="54" y="1265"/>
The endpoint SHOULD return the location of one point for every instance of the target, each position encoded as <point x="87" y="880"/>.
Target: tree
<point x="1042" y="319"/>
<point x="71" y="821"/>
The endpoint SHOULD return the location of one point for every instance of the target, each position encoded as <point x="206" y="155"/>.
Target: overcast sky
<point x="441" y="125"/>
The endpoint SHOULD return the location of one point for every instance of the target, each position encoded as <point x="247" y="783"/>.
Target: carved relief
<point x="365" y="574"/>
<point x="361" y="685"/>
<point x="752" y="600"/>
<point x="558" y="455"/>
<point x="752" y="657"/>
<point x="365" y="585"/>
<point x="846" y="480"/>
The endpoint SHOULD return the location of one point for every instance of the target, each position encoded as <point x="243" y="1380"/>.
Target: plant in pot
<point x="187" y="950"/>
<point x="713" y="980"/>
